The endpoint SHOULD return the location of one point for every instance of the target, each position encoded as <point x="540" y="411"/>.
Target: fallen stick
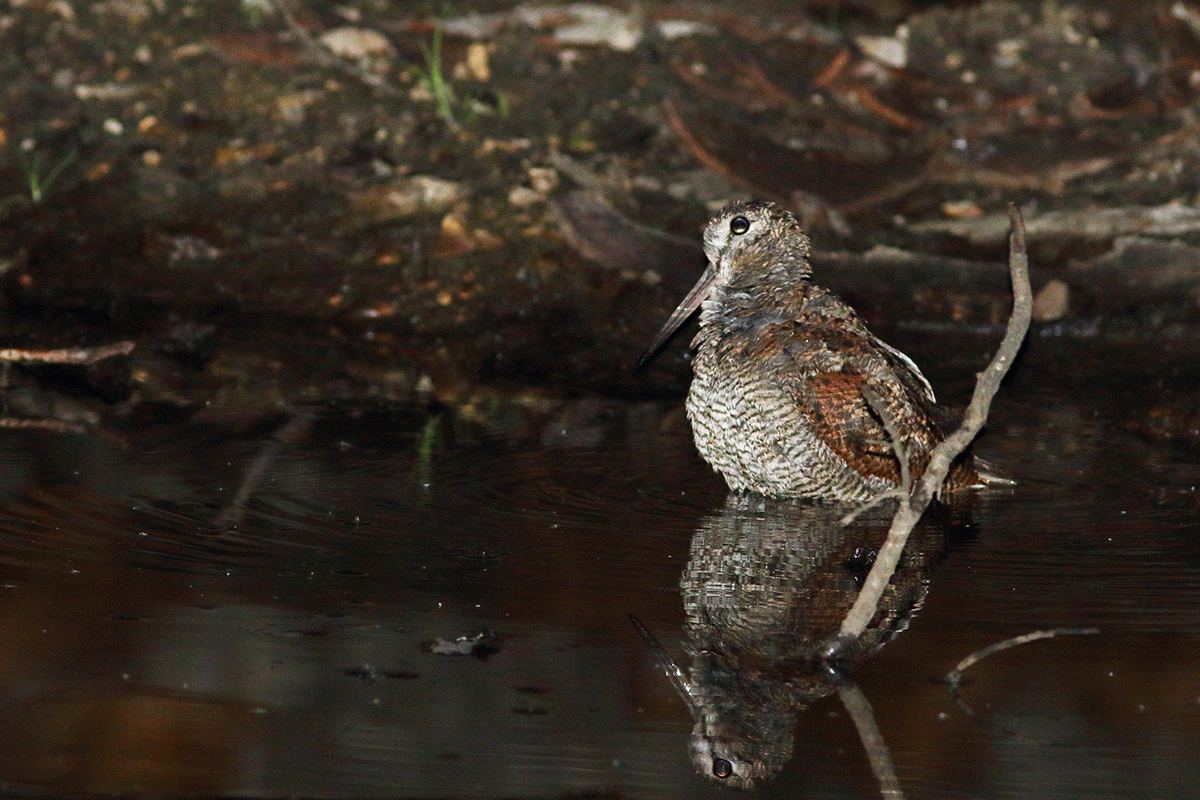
<point x="67" y="355"/>
<point x="953" y="680"/>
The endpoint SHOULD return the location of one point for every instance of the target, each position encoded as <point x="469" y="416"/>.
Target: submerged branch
<point x="295" y="429"/>
<point x="953" y="680"/>
<point x="669" y="667"/>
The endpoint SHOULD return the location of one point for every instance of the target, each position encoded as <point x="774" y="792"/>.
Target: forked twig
<point x="909" y="513"/>
<point x="326" y="57"/>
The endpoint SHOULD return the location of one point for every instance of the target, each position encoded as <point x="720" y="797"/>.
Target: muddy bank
<point x="368" y="203"/>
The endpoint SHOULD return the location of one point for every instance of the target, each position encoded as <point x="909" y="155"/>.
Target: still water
<point x="405" y="602"/>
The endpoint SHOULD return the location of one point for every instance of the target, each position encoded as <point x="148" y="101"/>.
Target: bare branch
<point x="986" y="386"/>
<point x="877" y="500"/>
<point x="52" y="425"/>
<point x="81" y="355"/>
<point x="953" y="681"/>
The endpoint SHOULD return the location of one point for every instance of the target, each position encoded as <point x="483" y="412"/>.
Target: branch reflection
<point x="767" y="584"/>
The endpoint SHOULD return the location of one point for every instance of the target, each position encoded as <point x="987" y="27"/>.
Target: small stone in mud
<point x="962" y="209"/>
<point x="481" y="645"/>
<point x="522" y="196"/>
<point x="409" y="196"/>
<point x="356" y="43"/>
<point x="1050" y="303"/>
<point x="543" y="179"/>
<point x="453" y="238"/>
<point x="477" y="62"/>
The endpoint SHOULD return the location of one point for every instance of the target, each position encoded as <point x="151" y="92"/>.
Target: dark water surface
<point x="204" y="609"/>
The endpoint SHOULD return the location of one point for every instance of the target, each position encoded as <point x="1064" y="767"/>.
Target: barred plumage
<point x="777" y="404"/>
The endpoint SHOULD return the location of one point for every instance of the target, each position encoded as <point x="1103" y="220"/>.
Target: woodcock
<point x="783" y="369"/>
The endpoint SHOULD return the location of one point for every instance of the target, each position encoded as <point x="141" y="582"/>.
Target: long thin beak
<point x="684" y="310"/>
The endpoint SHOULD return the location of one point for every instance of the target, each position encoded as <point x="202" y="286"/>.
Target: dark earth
<point x="364" y="501"/>
<point x="272" y="223"/>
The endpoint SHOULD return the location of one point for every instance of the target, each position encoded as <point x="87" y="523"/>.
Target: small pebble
<point x="1050" y="303"/>
<point x="356" y="43"/>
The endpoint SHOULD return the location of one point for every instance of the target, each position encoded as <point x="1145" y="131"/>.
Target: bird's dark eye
<point x="738" y="226"/>
<point x="721" y="767"/>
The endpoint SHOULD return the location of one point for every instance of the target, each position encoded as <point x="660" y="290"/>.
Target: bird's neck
<point x="763" y="298"/>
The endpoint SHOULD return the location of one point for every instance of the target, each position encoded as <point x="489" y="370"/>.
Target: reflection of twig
<point x="291" y="431"/>
<point x="77" y="355"/>
<point x="940" y="460"/>
<point x="860" y="711"/>
<point x="953" y="678"/>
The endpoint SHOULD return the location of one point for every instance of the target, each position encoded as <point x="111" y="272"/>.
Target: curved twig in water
<point x="988" y="383"/>
<point x="669" y="667"/>
<point x="293" y="430"/>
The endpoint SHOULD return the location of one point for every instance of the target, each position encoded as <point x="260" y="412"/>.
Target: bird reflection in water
<point x="767" y="584"/>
